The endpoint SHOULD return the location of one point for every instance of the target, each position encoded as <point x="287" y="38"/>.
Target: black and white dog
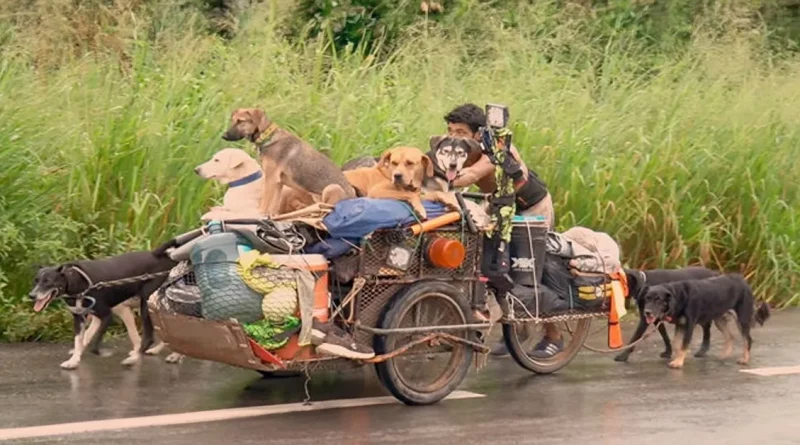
<point x="639" y="280"/>
<point x="71" y="280"/>
<point x="451" y="155"/>
<point x="692" y="302"/>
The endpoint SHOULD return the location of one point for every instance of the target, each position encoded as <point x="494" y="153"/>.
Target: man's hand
<point x="474" y="173"/>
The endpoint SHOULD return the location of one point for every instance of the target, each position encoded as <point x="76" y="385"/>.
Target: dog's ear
<point x="259" y="118"/>
<point x="428" y="165"/>
<point x="236" y="158"/>
<point x="474" y="152"/>
<point x="383" y="163"/>
<point x="435" y="141"/>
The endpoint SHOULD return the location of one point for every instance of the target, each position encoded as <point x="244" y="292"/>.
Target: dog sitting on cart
<point x="383" y="288"/>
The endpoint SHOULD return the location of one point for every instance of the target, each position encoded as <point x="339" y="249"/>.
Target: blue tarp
<point x="356" y="218"/>
<point x="353" y="219"/>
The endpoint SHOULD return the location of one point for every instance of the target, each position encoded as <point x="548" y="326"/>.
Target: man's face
<point x="460" y="130"/>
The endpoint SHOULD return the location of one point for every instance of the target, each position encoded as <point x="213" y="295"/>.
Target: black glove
<point x="511" y="167"/>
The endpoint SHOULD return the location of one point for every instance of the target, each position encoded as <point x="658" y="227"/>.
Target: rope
<point x="307" y="400"/>
<point x="626" y="347"/>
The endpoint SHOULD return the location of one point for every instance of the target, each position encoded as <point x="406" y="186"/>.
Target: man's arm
<point x="475" y="172"/>
<point x="522" y="165"/>
<point x="483" y="168"/>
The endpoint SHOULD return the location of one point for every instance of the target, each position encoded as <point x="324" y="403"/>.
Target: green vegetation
<point x="675" y="130"/>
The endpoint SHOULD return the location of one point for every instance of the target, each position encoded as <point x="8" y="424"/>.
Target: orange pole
<point x="435" y="223"/>
<point x="614" y="329"/>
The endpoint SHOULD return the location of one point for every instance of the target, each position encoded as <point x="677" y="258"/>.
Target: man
<point x="532" y="199"/>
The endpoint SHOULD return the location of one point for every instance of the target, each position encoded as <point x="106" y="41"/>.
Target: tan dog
<point x="286" y="160"/>
<point x="400" y="174"/>
<point x="243" y="176"/>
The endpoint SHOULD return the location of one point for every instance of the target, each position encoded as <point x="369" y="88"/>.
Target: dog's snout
<point x="197" y="170"/>
<point x="32" y="295"/>
<point x="648" y="313"/>
<point x="398" y="177"/>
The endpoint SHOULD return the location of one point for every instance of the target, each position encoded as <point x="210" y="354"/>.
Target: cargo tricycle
<point x="414" y="310"/>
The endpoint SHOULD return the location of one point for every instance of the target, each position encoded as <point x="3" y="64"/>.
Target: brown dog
<point x="400" y="174"/>
<point x="288" y="161"/>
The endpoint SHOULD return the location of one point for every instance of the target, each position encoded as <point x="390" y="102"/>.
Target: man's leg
<point x="552" y="343"/>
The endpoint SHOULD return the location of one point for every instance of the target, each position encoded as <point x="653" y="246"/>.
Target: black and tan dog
<point x="692" y="302"/>
<point x="639" y="280"/>
<point x="287" y="160"/>
<point x="71" y="280"/>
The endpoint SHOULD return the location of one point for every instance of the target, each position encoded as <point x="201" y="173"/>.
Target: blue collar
<point x="246" y="180"/>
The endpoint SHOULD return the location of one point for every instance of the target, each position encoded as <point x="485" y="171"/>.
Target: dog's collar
<point x="247" y="179"/>
<point x="267" y="134"/>
<point x="89" y="282"/>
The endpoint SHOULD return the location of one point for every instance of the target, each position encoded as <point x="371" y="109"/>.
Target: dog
<point x="400" y="174"/>
<point x="243" y="176"/>
<point x="691" y="302"/>
<point x="361" y="161"/>
<point x="451" y="155"/>
<point x="71" y="280"/>
<point x="638" y="281"/>
<point x="287" y="160"/>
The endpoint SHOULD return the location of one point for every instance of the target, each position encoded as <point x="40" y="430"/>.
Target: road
<point x="594" y="400"/>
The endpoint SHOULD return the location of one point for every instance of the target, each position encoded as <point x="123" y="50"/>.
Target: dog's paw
<point x="666" y="354"/>
<point x="622" y="357"/>
<point x="743" y="361"/>
<point x="104" y="353"/>
<point x="133" y="358"/>
<point x="174" y="358"/>
<point x="70" y="364"/>
<point x="701" y="353"/>
<point x="155" y="350"/>
<point x="675" y="364"/>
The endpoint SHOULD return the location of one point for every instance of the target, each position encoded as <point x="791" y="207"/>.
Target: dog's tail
<point x="762" y="313"/>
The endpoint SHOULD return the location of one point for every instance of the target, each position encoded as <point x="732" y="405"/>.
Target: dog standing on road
<point x="286" y="160"/>
<point x="692" y="302"/>
<point x="72" y="280"/>
<point x="639" y="280"/>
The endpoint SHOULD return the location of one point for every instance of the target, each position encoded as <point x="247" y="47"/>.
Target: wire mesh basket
<point x="180" y="294"/>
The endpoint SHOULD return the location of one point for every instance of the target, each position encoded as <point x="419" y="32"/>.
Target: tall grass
<point x="689" y="159"/>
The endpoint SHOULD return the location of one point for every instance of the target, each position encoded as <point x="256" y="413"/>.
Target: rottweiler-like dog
<point x="639" y="280"/>
<point x="70" y="280"/>
<point x="692" y="302"/>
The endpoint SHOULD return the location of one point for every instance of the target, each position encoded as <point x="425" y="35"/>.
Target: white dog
<point x="244" y="178"/>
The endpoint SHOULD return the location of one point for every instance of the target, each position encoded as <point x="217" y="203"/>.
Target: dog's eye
<point x="216" y="160"/>
<point x="395" y="163"/>
<point x="409" y="163"/>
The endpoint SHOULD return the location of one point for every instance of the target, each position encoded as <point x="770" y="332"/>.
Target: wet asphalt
<point x="593" y="400"/>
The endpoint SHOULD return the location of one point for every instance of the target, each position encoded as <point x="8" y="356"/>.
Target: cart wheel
<point x="426" y="373"/>
<point x="279" y="374"/>
<point x="520" y="343"/>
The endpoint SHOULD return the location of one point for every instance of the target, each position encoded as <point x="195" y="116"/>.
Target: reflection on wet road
<point x="594" y="399"/>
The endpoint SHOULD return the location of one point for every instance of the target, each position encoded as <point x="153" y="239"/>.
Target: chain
<point x="123" y="281"/>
